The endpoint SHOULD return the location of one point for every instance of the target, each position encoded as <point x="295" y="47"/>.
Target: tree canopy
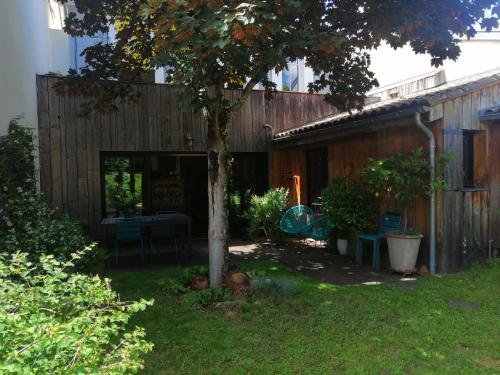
<point x="235" y="44"/>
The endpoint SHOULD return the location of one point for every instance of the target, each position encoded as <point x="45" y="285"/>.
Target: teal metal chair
<point x="128" y="230"/>
<point x="297" y="221"/>
<point x="321" y="229"/>
<point x="390" y="222"/>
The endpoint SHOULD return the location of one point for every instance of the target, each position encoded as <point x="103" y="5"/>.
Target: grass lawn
<point x="327" y="329"/>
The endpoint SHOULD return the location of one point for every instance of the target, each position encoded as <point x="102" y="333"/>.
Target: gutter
<point x="432" y="203"/>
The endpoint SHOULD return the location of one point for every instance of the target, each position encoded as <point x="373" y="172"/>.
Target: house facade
<point x="455" y="113"/>
<point x="154" y="148"/>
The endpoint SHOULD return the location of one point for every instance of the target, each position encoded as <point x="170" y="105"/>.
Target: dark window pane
<point x="468" y="163"/>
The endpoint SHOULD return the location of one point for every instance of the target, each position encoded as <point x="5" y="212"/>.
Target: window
<point x="290" y="76"/>
<point x="123" y="184"/>
<point x="468" y="155"/>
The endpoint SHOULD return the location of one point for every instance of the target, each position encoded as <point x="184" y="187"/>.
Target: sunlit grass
<point x="328" y="329"/>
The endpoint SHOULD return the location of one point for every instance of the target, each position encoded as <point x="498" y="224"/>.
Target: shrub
<point x="403" y="178"/>
<point x="57" y="322"/>
<point x="349" y="206"/>
<point x="17" y="168"/>
<point x="26" y="221"/>
<point x="207" y="297"/>
<point x="31" y="225"/>
<point x="265" y="212"/>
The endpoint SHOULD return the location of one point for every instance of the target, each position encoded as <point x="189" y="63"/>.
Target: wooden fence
<point x="70" y="146"/>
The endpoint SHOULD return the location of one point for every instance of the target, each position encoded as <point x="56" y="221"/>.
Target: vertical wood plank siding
<point x="70" y="146"/>
<point x="465" y="222"/>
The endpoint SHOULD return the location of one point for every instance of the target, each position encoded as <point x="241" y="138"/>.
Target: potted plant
<point x="265" y="212"/>
<point x="403" y="178"/>
<point x="349" y="207"/>
<point x="124" y="200"/>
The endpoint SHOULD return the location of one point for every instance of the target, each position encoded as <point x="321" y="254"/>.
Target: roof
<point x="491" y="113"/>
<point x="420" y="101"/>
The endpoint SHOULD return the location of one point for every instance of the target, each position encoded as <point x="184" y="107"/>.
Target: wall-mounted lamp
<point x="189" y="140"/>
<point x="267" y="126"/>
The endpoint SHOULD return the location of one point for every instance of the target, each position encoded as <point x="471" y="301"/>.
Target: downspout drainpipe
<point x="432" y="203"/>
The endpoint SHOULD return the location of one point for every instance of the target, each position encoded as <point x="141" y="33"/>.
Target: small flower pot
<point x="342" y="246"/>
<point x="403" y="251"/>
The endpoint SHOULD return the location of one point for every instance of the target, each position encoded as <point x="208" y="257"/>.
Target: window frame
<point x="468" y="167"/>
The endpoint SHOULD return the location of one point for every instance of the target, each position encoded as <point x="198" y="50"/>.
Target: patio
<point x="320" y="263"/>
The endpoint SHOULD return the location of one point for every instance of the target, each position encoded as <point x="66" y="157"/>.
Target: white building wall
<point x="478" y="55"/>
<point x="24" y="52"/>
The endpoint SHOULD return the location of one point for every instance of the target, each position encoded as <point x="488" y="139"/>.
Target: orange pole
<point x="296" y="180"/>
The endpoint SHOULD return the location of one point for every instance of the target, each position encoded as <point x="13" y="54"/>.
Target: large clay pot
<point x="403" y="251"/>
<point x="342" y="246"/>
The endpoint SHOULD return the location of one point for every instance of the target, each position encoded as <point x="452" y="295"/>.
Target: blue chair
<point x="321" y="229"/>
<point x="128" y="230"/>
<point x="390" y="222"/>
<point x="297" y="221"/>
<point x="163" y="231"/>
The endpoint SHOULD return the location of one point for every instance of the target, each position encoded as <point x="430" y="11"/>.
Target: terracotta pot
<point x="403" y="251"/>
<point x="342" y="246"/>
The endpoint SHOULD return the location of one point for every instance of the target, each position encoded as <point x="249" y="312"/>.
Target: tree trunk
<point x="218" y="173"/>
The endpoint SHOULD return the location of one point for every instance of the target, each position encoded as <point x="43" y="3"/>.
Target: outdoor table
<point x="109" y="223"/>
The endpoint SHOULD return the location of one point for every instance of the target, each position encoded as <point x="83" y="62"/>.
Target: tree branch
<point x="233" y="110"/>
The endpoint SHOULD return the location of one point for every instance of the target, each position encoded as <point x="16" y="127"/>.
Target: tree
<point x="209" y="45"/>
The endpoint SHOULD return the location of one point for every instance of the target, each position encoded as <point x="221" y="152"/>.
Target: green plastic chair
<point x="390" y="222"/>
<point x="128" y="230"/>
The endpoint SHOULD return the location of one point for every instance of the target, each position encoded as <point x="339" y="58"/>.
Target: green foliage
<point x="402" y="177"/>
<point x="349" y="206"/>
<point x="495" y="211"/>
<point x="174" y="287"/>
<point x="265" y="212"/>
<point x="237" y="221"/>
<point x="207" y="297"/>
<point x="181" y="283"/>
<point x="217" y="44"/>
<point x="186" y="274"/>
<point x="328" y="329"/>
<point x="122" y="198"/>
<point x="27" y="222"/>
<point x="16" y="159"/>
<point x="58" y="322"/>
<point x="32" y="226"/>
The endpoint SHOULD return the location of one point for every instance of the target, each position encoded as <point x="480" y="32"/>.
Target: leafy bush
<point x="207" y="297"/>
<point x="173" y="287"/>
<point x="31" y="225"/>
<point x="403" y="178"/>
<point x="181" y="284"/>
<point x="122" y="198"/>
<point x="26" y="221"/>
<point x="17" y="168"/>
<point x="348" y="205"/>
<point x="58" y="322"/>
<point x="265" y="212"/>
<point x="186" y="274"/>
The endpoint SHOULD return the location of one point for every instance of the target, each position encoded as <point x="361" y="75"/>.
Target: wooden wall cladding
<point x="348" y="156"/>
<point x="494" y="149"/>
<point x="70" y="146"/>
